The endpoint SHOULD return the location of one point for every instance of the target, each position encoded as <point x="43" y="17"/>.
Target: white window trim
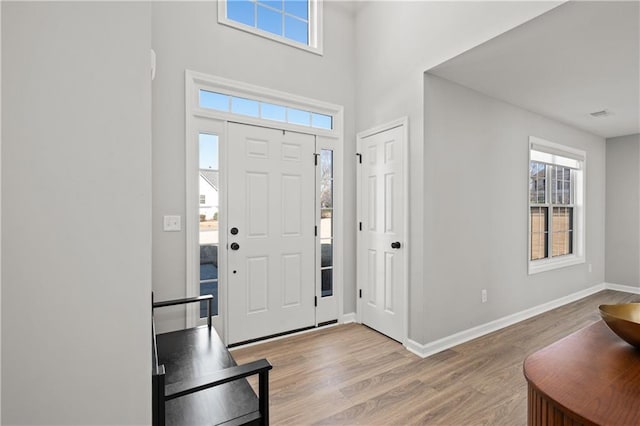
<point x="198" y="119"/>
<point x="315" y="28"/>
<point x="197" y="81"/>
<point x="580" y="188"/>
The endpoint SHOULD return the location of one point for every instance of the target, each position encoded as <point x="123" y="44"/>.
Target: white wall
<point x="623" y="211"/>
<point x="395" y="44"/>
<point x="76" y="198"/>
<point x="476" y="162"/>
<point x="186" y="35"/>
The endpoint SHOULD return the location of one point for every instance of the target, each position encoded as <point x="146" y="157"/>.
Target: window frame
<point x="331" y="236"/>
<point x="204" y="120"/>
<point x="315" y="28"/>
<point x="578" y="190"/>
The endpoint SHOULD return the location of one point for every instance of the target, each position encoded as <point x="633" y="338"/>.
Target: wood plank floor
<point x="350" y="374"/>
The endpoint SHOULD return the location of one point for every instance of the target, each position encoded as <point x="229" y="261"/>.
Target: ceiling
<point x="578" y="58"/>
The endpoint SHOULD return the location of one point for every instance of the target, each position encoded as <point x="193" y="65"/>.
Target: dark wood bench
<point x="196" y="380"/>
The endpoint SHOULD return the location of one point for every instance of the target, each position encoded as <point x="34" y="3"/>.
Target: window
<point x="294" y="22"/>
<point x="556" y="211"/>
<point x="326" y="222"/>
<point x="264" y="110"/>
<point x="209" y="188"/>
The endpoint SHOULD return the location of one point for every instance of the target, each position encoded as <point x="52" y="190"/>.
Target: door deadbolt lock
<point x="234" y="231"/>
<point x="235" y="246"/>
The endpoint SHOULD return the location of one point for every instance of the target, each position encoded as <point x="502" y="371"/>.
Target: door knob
<point x="235" y="246"/>
<point x="234" y="231"/>
<point x="396" y="245"/>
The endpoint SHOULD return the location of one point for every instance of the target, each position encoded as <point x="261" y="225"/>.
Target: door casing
<point x="200" y="120"/>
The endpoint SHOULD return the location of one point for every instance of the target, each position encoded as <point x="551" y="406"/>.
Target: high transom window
<point x="556" y="192"/>
<point x="264" y="110"/>
<point x="294" y="22"/>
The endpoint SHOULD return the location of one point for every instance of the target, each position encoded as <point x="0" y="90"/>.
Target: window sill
<point x="545" y="265"/>
<point x="264" y="34"/>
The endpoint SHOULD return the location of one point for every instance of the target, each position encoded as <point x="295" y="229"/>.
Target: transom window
<point x="556" y="210"/>
<point x="264" y="110"/>
<point x="294" y="22"/>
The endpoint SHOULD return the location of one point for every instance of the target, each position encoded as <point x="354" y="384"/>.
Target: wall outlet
<point x="484" y="295"/>
<point x="172" y="224"/>
<point x="590" y="268"/>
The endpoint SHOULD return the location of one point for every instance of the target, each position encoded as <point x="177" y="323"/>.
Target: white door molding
<point x="195" y="115"/>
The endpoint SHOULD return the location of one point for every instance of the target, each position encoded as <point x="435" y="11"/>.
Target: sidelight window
<point x="209" y="187"/>
<point x="326" y="222"/>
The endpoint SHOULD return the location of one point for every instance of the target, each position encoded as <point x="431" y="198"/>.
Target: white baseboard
<point x="620" y="287"/>
<point x="348" y="318"/>
<point x="447" y="342"/>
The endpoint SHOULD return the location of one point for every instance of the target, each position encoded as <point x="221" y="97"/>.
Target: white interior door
<point x="382" y="240"/>
<point x="270" y="232"/>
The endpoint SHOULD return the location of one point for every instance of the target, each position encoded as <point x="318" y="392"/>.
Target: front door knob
<point x="235" y="246"/>
<point x="396" y="245"/>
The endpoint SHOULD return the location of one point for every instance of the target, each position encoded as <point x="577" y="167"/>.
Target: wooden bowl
<point x="624" y="320"/>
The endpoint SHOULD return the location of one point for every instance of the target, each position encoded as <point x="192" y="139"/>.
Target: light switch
<point x="172" y="224"/>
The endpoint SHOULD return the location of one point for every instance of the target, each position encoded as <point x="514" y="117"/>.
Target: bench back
<point x="158" y="371"/>
<point x="157" y="378"/>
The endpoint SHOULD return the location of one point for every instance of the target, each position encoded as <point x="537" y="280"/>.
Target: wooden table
<point x="591" y="377"/>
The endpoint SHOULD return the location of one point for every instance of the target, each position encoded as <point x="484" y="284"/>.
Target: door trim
<point x="194" y="114"/>
<point x="404" y="123"/>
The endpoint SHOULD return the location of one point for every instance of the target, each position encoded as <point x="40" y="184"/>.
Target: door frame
<point x="195" y="116"/>
<point x="404" y="123"/>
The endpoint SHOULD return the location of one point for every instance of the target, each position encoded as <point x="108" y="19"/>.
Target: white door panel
<point x="271" y="203"/>
<point x="382" y="242"/>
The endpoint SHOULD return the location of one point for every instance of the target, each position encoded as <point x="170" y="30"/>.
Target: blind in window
<point x="550" y="153"/>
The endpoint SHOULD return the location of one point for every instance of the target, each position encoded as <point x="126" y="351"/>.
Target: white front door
<point x="382" y="240"/>
<point x="270" y="232"/>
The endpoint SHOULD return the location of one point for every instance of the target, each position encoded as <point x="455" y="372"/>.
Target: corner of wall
<point x="623" y="288"/>
<point x="0" y="212"/>
<point x="447" y="342"/>
<point x="348" y="318"/>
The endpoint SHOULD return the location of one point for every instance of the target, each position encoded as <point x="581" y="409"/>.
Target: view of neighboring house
<point x="208" y="187"/>
<point x="208" y="183"/>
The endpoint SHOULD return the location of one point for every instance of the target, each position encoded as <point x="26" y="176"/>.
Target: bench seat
<point x="196" y="381"/>
<point x="195" y="353"/>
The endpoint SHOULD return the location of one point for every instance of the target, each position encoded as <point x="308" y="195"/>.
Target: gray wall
<point x="186" y="35"/>
<point x="623" y="210"/>
<point x="394" y="47"/>
<point x="0" y="214"/>
<point x="76" y="198"/>
<point x="476" y="191"/>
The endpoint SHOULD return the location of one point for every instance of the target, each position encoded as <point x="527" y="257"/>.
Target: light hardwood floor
<point x="350" y="374"/>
